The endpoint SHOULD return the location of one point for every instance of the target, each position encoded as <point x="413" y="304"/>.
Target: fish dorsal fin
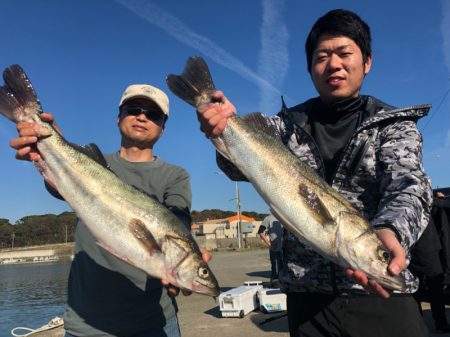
<point x="92" y="151"/>
<point x="195" y="85"/>
<point x="259" y="121"/>
<point x="144" y="236"/>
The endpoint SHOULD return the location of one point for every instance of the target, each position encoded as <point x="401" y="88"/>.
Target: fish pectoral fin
<point x="144" y="236"/>
<point x="316" y="207"/>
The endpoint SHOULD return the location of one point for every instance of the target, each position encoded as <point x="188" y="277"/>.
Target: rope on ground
<point x="54" y="323"/>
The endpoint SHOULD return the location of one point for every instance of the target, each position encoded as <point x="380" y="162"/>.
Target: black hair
<point x="339" y="22"/>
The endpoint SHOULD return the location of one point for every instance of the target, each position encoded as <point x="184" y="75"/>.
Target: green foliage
<point x="50" y="228"/>
<point x="4" y="222"/>
<point x="256" y="216"/>
<point x="6" y="230"/>
<point x="38" y="230"/>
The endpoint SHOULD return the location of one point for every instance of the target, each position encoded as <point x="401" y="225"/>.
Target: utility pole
<point x="13" y="235"/>
<point x="66" y="233"/>
<point x="238" y="206"/>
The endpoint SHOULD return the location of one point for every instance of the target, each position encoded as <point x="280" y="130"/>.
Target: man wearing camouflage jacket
<point x="383" y="151"/>
<point x="371" y="153"/>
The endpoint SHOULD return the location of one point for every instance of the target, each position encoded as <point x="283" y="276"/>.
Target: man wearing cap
<point x="106" y="296"/>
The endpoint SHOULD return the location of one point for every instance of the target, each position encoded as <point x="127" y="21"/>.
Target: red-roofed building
<point x="227" y="228"/>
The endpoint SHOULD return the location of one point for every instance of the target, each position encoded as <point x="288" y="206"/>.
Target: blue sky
<point x="80" y="56"/>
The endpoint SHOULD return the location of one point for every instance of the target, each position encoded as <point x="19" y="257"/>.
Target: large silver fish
<point x="306" y="205"/>
<point x="124" y="221"/>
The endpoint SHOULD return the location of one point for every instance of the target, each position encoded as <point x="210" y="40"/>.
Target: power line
<point x="435" y="111"/>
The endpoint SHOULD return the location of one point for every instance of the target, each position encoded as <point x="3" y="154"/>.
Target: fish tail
<point x="18" y="100"/>
<point x="195" y="85"/>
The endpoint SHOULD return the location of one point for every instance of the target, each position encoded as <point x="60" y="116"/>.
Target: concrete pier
<point x="48" y="253"/>
<point x="199" y="316"/>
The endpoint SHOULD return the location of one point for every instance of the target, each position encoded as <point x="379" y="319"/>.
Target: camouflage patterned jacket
<point x="380" y="172"/>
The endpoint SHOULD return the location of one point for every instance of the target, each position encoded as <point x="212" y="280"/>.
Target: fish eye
<point x="384" y="255"/>
<point x="203" y="272"/>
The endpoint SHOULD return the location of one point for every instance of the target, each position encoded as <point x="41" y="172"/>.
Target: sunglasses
<point x="152" y="115"/>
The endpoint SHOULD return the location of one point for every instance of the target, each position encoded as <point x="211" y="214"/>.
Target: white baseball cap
<point x="149" y="92"/>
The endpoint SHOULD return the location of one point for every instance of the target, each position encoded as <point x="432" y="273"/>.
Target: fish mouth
<point x="213" y="291"/>
<point x="391" y="282"/>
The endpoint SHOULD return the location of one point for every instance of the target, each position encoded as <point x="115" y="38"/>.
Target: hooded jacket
<point x="379" y="172"/>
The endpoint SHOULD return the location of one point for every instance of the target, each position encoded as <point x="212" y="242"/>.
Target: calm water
<point x="31" y="294"/>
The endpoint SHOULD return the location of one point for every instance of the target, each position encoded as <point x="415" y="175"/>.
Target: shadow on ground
<point x="262" y="273"/>
<point x="273" y="322"/>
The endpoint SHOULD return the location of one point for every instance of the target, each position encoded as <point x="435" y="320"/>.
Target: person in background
<point x="371" y="153"/>
<point x="427" y="263"/>
<point x="271" y="231"/>
<point x="106" y="296"/>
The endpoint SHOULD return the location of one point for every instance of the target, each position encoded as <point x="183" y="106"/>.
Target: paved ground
<point x="200" y="315"/>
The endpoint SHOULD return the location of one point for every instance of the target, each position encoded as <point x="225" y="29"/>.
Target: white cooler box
<point x="238" y="302"/>
<point x="271" y="300"/>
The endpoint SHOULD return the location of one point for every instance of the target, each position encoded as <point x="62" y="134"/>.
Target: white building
<point x="227" y="228"/>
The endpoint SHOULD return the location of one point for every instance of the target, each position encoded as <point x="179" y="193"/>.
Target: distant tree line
<point x="49" y="228"/>
<point x="38" y="230"/>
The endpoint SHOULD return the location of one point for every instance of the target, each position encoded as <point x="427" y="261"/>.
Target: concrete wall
<point x="27" y="253"/>
<point x="223" y="244"/>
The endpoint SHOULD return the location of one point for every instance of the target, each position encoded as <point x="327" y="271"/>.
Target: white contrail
<point x="274" y="55"/>
<point x="181" y="32"/>
<point x="445" y="29"/>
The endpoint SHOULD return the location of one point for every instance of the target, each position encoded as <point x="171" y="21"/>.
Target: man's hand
<point x="213" y="116"/>
<point x="29" y="133"/>
<point x="396" y="266"/>
<point x="174" y="291"/>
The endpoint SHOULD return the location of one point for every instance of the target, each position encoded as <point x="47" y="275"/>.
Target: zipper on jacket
<point x="357" y="159"/>
<point x="346" y="147"/>
<point x="332" y="265"/>
<point x="322" y="174"/>
<point x="287" y="114"/>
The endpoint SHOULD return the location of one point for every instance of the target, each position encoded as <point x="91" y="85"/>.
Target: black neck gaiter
<point x="332" y="127"/>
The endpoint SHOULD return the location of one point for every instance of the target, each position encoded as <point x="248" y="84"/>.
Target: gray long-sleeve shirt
<point x="106" y="296"/>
